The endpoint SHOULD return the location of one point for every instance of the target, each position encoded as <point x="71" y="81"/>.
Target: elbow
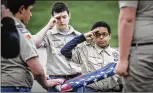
<point x="37" y="42"/>
<point x="37" y="45"/>
<point x="127" y="19"/>
<point x="65" y="53"/>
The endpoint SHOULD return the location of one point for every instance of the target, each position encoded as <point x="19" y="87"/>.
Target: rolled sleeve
<point x="28" y="49"/>
<point x="128" y="4"/>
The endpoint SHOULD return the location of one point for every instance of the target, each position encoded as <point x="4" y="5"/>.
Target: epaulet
<point x="19" y="26"/>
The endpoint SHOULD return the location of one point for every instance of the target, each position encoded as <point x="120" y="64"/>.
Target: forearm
<point x="125" y="33"/>
<point x="41" y="79"/>
<point x="40" y="35"/>
<point x="67" y="49"/>
<point x="37" y="71"/>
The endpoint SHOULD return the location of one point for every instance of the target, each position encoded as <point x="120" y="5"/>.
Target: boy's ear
<point x="69" y="15"/>
<point x="21" y="9"/>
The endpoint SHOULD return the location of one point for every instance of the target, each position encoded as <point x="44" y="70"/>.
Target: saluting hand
<point x="89" y="35"/>
<point x="53" y="21"/>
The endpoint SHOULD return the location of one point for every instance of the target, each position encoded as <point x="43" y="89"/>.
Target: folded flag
<point x="83" y="80"/>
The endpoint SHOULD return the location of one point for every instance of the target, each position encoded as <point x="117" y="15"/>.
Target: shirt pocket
<point x="94" y="63"/>
<point x="57" y="45"/>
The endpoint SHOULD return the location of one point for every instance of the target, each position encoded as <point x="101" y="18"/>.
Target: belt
<point x="14" y="87"/>
<point x="66" y="76"/>
<point x="142" y="44"/>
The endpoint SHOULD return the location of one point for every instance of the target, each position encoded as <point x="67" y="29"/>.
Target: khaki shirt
<point x="143" y="30"/>
<point x="57" y="64"/>
<point x="15" y="72"/>
<point x="92" y="57"/>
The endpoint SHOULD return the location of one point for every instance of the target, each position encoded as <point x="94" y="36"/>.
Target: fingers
<point x="95" y="30"/>
<point x="57" y="16"/>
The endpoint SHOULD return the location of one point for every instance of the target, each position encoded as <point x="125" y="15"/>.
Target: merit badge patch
<point x="27" y="35"/>
<point x="115" y="55"/>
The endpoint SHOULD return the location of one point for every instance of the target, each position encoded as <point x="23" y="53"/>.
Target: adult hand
<point x="54" y="82"/>
<point x="122" y="68"/>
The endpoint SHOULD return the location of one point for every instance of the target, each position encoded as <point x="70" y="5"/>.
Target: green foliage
<point x="83" y="15"/>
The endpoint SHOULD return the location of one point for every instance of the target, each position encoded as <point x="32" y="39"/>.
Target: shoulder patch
<point x="115" y="54"/>
<point x="28" y="36"/>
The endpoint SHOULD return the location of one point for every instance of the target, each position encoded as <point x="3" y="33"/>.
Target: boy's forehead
<point x="64" y="13"/>
<point x="102" y="30"/>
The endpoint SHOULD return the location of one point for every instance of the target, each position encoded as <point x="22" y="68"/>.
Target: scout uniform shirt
<point x="92" y="57"/>
<point x="15" y="72"/>
<point x="57" y="64"/>
<point x="141" y="57"/>
<point x="144" y="20"/>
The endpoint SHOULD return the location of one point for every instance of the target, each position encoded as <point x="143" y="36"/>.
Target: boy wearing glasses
<point x="93" y="56"/>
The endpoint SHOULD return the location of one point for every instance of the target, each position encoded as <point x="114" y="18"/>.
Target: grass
<point x="83" y="15"/>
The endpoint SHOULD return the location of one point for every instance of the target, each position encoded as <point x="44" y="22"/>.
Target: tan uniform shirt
<point x="92" y="58"/>
<point x="15" y="72"/>
<point x="144" y="20"/>
<point x="57" y="64"/>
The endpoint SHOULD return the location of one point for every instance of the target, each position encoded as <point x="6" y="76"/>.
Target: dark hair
<point x="59" y="7"/>
<point x="14" y="5"/>
<point x="101" y="24"/>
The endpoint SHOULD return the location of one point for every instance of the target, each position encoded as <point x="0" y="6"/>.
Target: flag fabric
<point x="83" y="80"/>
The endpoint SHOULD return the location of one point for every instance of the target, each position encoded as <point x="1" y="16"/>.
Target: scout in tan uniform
<point x="18" y="73"/>
<point x="136" y="45"/>
<point x="93" y="56"/>
<point x="54" y="39"/>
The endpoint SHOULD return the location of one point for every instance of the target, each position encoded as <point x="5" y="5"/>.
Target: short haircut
<point x="14" y="5"/>
<point x="59" y="7"/>
<point x="101" y="24"/>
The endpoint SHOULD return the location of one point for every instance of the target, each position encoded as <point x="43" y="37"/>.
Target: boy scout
<point x="18" y="73"/>
<point x="93" y="56"/>
<point x="136" y="45"/>
<point x="54" y="39"/>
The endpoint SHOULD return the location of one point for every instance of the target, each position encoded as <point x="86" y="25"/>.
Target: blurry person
<point x="19" y="73"/>
<point x="135" y="30"/>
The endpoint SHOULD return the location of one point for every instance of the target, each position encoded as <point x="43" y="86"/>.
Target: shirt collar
<point x="18" y="22"/>
<point x="54" y="30"/>
<point x="107" y="50"/>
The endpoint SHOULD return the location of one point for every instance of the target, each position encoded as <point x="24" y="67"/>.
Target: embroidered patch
<point x="28" y="36"/>
<point x="115" y="54"/>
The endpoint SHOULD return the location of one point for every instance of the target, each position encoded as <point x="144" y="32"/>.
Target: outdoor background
<point x="83" y="15"/>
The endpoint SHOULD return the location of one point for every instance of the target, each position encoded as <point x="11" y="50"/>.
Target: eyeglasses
<point x="98" y="35"/>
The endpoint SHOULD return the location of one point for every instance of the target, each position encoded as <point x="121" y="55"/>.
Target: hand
<point x="89" y="35"/>
<point x="54" y="82"/>
<point x="122" y="68"/>
<point x="53" y="21"/>
<point x="47" y="77"/>
<point x="6" y="12"/>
